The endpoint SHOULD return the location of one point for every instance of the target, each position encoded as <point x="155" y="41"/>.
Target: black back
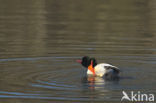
<point x="116" y="70"/>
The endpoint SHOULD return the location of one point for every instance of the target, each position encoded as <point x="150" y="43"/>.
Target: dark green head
<point x="86" y="61"/>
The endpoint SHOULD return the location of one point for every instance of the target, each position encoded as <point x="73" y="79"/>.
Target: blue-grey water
<point x="40" y="40"/>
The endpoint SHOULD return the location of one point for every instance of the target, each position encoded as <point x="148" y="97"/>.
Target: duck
<point x="103" y="70"/>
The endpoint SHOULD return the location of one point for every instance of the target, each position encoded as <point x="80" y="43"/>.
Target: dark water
<point x="41" y="39"/>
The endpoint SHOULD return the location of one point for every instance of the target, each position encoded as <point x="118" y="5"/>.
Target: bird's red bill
<point x="79" y="61"/>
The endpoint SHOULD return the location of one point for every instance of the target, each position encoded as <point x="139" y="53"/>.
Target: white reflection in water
<point x="98" y="83"/>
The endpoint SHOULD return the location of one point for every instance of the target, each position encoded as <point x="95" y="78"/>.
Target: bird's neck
<point x="91" y="68"/>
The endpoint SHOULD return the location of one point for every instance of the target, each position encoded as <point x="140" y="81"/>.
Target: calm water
<point x="41" y="39"/>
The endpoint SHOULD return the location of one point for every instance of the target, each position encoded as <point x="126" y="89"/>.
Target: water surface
<point x="40" y="41"/>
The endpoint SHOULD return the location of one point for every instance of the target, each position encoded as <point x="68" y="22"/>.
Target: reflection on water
<point x="95" y="83"/>
<point x="40" y="41"/>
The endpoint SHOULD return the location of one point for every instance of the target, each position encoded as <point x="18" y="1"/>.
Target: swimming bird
<point x="105" y="70"/>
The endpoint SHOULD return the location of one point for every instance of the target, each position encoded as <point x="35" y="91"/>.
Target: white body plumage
<point x="104" y="69"/>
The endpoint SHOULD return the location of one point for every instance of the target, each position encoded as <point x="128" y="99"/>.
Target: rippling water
<point x="40" y="41"/>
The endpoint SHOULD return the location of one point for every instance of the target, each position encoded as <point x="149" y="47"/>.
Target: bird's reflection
<point x="93" y="82"/>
